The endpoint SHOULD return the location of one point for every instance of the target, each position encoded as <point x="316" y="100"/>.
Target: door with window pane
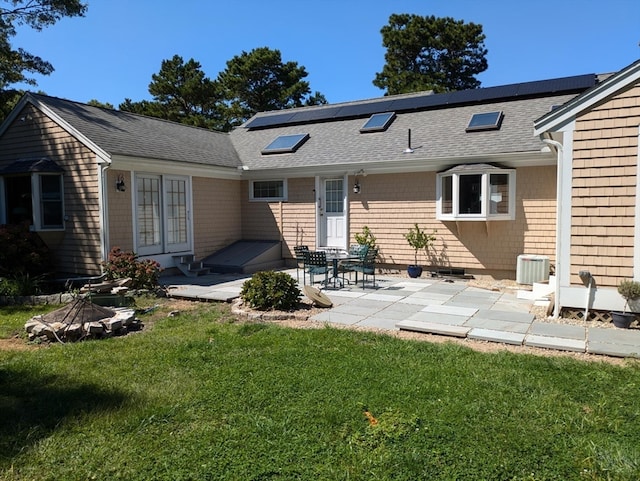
<point x="162" y="214"/>
<point x="334" y="218"/>
<point x="177" y="214"/>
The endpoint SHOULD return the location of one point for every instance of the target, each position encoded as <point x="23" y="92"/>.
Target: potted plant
<point x="629" y="290"/>
<point x="419" y="240"/>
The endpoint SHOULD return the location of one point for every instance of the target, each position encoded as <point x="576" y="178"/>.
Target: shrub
<point x="366" y="238"/>
<point x="23" y="252"/>
<point x="144" y="274"/>
<point x="271" y="290"/>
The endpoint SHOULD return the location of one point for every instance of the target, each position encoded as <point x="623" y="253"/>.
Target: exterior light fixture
<point x="356" y="185"/>
<point x="120" y="185"/>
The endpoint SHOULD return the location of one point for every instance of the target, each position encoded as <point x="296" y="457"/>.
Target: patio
<point x="447" y="307"/>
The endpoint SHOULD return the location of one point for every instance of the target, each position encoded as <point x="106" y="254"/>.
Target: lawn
<point x="201" y="396"/>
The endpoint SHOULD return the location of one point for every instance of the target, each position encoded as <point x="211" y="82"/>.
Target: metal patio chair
<point x="316" y="264"/>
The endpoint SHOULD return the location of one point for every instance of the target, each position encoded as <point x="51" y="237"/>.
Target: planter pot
<point x="622" y="319"/>
<point x="414" y="271"/>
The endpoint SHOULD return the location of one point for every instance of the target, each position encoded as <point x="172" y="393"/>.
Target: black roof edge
<point x="519" y="91"/>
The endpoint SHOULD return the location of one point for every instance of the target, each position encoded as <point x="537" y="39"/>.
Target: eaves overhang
<point x="543" y="157"/>
<point x="143" y="164"/>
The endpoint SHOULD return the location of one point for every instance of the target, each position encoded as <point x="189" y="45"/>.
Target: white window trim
<point x="37" y="202"/>
<point x="285" y="192"/>
<point x="484" y="215"/>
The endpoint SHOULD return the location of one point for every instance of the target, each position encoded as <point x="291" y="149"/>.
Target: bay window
<point x="476" y="192"/>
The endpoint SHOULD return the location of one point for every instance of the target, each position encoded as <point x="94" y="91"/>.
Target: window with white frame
<point x="268" y="190"/>
<point x="476" y="192"/>
<point x="36" y="198"/>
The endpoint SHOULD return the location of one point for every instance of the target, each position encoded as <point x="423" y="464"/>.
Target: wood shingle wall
<point x="33" y="135"/>
<point x="605" y="158"/>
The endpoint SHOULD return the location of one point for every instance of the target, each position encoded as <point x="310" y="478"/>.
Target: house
<point x="88" y="179"/>
<point x="596" y="137"/>
<point x="464" y="164"/>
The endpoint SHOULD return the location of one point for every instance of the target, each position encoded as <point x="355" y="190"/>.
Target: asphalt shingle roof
<point x="124" y="133"/>
<point x="435" y="134"/>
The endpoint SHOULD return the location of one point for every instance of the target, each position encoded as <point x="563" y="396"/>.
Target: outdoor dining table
<point x="334" y="256"/>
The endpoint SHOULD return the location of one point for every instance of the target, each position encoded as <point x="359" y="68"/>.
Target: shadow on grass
<point x="32" y="406"/>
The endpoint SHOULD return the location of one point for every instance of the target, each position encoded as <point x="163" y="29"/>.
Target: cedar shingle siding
<point x="31" y="135"/>
<point x="604" y="189"/>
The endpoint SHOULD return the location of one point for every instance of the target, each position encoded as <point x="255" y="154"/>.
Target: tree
<point x="103" y="105"/>
<point x="430" y="53"/>
<point x="15" y="64"/>
<point x="259" y="81"/>
<point x="181" y="93"/>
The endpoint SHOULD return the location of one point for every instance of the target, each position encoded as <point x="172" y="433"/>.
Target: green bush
<point x="143" y="274"/>
<point x="366" y="238"/>
<point x="23" y="252"/>
<point x="268" y="290"/>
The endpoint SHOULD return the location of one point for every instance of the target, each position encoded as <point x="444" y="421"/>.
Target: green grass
<point x="201" y="397"/>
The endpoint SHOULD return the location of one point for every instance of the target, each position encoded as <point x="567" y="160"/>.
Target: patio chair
<point x="316" y="264"/>
<point x="300" y="252"/>
<point x="367" y="266"/>
<point x="358" y="253"/>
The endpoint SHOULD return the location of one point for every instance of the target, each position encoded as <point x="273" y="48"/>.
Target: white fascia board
<point x="556" y="119"/>
<point x="416" y="164"/>
<point x="141" y="164"/>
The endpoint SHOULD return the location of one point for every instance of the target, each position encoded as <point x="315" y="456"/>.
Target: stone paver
<point x="437" y="307"/>
<point x="449" y="309"/>
<point x="498" y="325"/>
<point x="559" y="343"/>
<point x="433" y="328"/>
<point x="558" y="330"/>
<point x="495" y="335"/>
<point x="437" y="318"/>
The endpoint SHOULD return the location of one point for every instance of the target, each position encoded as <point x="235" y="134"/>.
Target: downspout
<point x="559" y="166"/>
<point x="104" y="225"/>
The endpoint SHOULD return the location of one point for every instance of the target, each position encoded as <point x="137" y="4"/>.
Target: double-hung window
<point x="476" y="192"/>
<point x="32" y="192"/>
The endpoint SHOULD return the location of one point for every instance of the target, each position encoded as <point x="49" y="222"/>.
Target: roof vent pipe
<point x="408" y="150"/>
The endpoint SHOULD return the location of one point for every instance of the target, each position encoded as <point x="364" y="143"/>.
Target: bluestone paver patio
<point x="435" y="306"/>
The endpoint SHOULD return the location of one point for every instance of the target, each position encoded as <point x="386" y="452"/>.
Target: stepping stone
<point x="562" y="344"/>
<point x="433" y="328"/>
<point x="615" y="350"/>
<point x="558" y="330"/>
<point x="492" y="335"/>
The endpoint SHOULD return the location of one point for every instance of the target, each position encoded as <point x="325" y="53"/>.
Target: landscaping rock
<point x="82" y="319"/>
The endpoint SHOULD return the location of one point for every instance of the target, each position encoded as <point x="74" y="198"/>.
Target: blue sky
<point x="110" y="54"/>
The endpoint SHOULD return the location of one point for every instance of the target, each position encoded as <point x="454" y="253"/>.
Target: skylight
<point x="378" y="122"/>
<point x="485" y="121"/>
<point x="285" y="143"/>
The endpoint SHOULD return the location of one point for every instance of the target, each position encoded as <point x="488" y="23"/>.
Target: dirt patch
<point x="17" y="344"/>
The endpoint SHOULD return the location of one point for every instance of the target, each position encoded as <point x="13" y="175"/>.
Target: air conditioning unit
<point x="532" y="268"/>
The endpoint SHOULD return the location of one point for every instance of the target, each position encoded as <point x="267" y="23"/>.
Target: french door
<point x="162" y="214"/>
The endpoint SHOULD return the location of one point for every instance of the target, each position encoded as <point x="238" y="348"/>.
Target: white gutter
<point x="558" y="146"/>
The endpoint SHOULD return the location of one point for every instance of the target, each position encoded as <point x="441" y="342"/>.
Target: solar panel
<point x="426" y="101"/>
<point x="270" y="120"/>
<point x="313" y="115"/>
